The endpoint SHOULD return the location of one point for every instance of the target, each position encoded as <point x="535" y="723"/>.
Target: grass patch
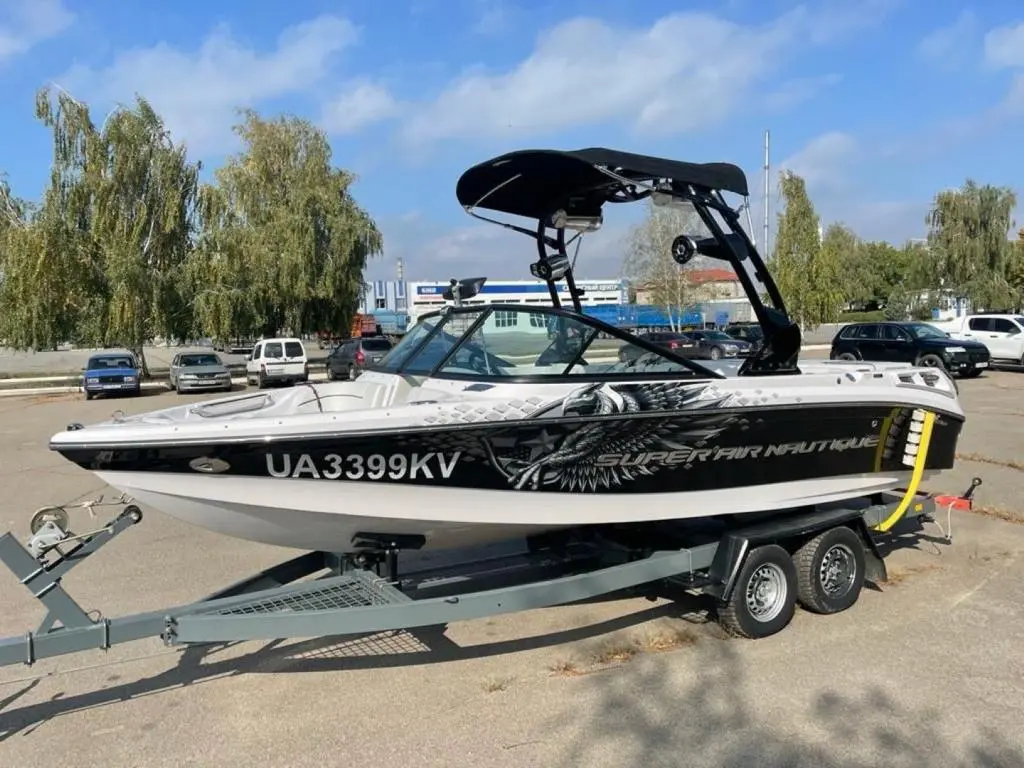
<point x="875" y="316"/>
<point x="1009" y="463"/>
<point x="615" y="652"/>
<point x="667" y="639"/>
<point x="898" y="574"/>
<point x="1000" y="513"/>
<point x="496" y="684"/>
<point x="566" y="668"/>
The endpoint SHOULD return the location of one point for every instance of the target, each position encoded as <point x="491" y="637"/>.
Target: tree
<point x="102" y="261"/>
<point x="969" y="240"/>
<point x="649" y="264"/>
<point x="852" y="268"/>
<point x="284" y="243"/>
<point x="807" y="274"/>
<point x="1015" y="268"/>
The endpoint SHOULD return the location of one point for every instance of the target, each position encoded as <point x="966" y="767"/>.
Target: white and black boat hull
<point x="464" y="484"/>
<point x="310" y="514"/>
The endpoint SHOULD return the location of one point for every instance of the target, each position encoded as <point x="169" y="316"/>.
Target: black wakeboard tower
<point x="568" y="189"/>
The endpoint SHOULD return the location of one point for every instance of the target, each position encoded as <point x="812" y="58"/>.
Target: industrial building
<point x="397" y="304"/>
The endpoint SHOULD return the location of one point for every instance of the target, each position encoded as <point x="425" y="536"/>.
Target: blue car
<point x="111" y="373"/>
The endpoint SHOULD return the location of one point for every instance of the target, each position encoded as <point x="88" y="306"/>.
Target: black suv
<point x="917" y="343"/>
<point x="748" y="332"/>
<point x="679" y="343"/>
<point x="348" y="359"/>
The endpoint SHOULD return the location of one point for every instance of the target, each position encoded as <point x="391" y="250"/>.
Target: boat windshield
<point x="516" y="342"/>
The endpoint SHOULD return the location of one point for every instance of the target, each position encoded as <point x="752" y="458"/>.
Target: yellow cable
<point x="915" y="477"/>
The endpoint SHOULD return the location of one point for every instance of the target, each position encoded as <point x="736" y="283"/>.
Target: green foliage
<point x="101" y="261"/>
<point x="808" y="270"/>
<point x="969" y="239"/>
<point x="284" y="244"/>
<point x="649" y="264"/>
<point x="127" y="244"/>
<point x="861" y="317"/>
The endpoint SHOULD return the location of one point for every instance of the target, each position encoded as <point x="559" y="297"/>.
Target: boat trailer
<point x="756" y="567"/>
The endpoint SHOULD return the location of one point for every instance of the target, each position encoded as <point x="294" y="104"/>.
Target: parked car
<point x="752" y="333"/>
<point x="198" y="372"/>
<point x="350" y="357"/>
<point x="714" y="345"/>
<point x="1002" y="335"/>
<point x="278" y="360"/>
<point x="678" y="343"/>
<point x="909" y="342"/>
<point x="111" y="373"/>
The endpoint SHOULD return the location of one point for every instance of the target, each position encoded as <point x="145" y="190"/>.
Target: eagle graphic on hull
<point x="637" y="418"/>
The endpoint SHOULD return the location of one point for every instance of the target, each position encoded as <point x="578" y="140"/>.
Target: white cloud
<point x="431" y="251"/>
<point x="360" y="104"/>
<point x="799" y="90"/>
<point x="950" y="46"/>
<point x="28" y="23"/>
<point x="493" y="17"/>
<point x="668" y="78"/>
<point x="1004" y="46"/>
<point x="823" y="161"/>
<point x="198" y="91"/>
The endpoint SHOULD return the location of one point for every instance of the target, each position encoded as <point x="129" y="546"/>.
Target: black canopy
<point x="537" y="182"/>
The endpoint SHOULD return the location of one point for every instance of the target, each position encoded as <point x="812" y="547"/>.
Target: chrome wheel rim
<point x="766" y="592"/>
<point x="838" y="569"/>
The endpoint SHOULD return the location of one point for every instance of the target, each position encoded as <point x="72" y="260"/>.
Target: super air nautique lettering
<point x="354" y="466"/>
<point x="732" y="453"/>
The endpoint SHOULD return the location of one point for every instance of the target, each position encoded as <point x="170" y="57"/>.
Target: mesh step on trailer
<point x="359" y="589"/>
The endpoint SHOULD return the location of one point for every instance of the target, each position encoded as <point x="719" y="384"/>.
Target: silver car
<point x="199" y="372"/>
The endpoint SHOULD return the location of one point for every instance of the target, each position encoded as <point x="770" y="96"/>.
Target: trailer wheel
<point x="763" y="600"/>
<point x="830" y="571"/>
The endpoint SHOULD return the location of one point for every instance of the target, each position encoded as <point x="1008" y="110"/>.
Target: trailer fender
<point x="791" y="532"/>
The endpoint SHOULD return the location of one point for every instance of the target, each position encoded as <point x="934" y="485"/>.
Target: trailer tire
<point x="763" y="599"/>
<point x="830" y="570"/>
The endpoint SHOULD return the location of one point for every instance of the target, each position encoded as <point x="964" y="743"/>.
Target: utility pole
<point x="401" y="304"/>
<point x="767" y="166"/>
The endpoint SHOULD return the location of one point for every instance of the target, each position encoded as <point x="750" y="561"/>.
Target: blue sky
<point x="878" y="103"/>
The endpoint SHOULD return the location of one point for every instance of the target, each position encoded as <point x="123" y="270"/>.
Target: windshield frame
<point x="933" y="332"/>
<point x="90" y="364"/>
<point x="192" y="355"/>
<point x="441" y="317"/>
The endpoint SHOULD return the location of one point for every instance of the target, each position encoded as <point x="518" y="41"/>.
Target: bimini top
<point x="537" y="182"/>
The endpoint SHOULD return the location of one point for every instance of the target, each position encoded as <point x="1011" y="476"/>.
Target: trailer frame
<point x="364" y="592"/>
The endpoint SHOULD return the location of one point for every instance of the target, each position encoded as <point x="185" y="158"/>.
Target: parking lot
<point x="926" y="670"/>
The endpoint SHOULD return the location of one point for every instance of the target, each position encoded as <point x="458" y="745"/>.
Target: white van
<point x="280" y="360"/>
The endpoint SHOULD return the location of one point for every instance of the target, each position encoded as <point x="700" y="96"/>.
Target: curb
<point x="146" y="386"/>
<point x="161" y="374"/>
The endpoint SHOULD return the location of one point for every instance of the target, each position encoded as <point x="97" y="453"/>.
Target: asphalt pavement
<point x="924" y="671"/>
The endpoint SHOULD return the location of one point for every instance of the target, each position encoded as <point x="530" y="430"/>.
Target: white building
<point x="429" y="296"/>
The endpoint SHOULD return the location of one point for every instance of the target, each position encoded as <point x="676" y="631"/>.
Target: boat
<point x="489" y="422"/>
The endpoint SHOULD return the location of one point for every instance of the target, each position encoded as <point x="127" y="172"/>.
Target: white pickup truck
<point x="1002" y="334"/>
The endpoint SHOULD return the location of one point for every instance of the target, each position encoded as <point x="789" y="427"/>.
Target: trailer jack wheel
<point x="830" y="570"/>
<point x="763" y="599"/>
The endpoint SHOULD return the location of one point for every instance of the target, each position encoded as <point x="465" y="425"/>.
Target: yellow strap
<point x="915" y="478"/>
<point x="882" y="435"/>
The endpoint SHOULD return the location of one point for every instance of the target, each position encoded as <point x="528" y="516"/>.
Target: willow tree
<point x="649" y="264"/>
<point x="807" y="274"/>
<point x="46" y="276"/>
<point x="969" y="240"/>
<point x="113" y="231"/>
<point x="284" y="243"/>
